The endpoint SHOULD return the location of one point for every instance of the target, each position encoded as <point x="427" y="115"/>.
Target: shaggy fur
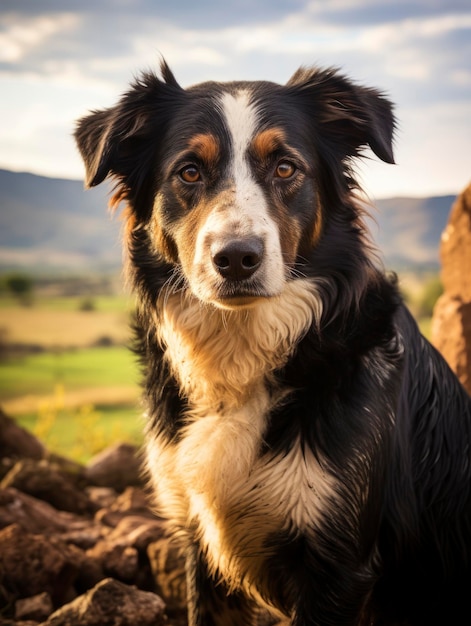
<point x="308" y="446"/>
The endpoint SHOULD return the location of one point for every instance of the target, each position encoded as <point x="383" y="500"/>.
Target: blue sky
<point x="58" y="59"/>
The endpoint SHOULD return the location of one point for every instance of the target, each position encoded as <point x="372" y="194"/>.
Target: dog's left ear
<point x="351" y="115"/>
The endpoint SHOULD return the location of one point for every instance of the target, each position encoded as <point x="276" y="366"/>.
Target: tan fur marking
<point x="120" y="195"/>
<point x="163" y="244"/>
<point x="205" y="146"/>
<point x="318" y="224"/>
<point x="266" y="142"/>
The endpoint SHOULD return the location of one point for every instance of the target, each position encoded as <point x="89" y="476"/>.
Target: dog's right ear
<point x="97" y="144"/>
<point x="110" y="140"/>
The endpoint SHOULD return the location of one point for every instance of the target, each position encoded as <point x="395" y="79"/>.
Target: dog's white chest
<point x="216" y="480"/>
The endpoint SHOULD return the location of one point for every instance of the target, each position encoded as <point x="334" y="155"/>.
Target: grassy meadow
<point x="67" y="373"/>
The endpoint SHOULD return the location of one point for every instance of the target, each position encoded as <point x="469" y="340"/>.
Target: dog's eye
<point x="285" y="169"/>
<point x="190" y="174"/>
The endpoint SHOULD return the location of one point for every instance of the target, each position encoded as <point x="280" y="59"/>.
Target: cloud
<point x="21" y="39"/>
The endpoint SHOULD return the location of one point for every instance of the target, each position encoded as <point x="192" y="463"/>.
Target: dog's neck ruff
<point x="220" y="357"/>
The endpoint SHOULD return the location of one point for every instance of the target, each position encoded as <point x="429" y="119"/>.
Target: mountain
<point x="49" y="223"/>
<point x="407" y="231"/>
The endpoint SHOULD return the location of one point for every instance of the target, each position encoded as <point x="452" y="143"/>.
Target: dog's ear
<point x="97" y="143"/>
<point x="109" y="140"/>
<point x="351" y="115"/>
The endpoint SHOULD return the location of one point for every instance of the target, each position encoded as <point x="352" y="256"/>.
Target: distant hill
<point x="407" y="231"/>
<point x="49" y="223"/>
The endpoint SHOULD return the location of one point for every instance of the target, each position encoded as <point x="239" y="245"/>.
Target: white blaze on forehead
<point x="241" y="119"/>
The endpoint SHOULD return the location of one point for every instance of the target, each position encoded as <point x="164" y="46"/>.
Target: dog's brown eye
<point x="190" y="174"/>
<point x="285" y="169"/>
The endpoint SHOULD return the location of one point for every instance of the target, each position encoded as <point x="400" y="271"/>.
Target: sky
<point x="62" y="58"/>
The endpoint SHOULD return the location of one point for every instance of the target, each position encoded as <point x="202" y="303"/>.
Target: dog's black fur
<point x="348" y="502"/>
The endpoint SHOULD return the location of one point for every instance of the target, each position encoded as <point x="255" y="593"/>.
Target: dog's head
<point x="236" y="184"/>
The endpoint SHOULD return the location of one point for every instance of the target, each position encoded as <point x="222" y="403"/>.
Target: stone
<point x="17" y="442"/>
<point x="451" y="335"/>
<point x="111" y="603"/>
<point x="101" y="496"/>
<point x="32" y="514"/>
<point x="118" y="467"/>
<point x="133" y="501"/>
<point x="42" y="480"/>
<point x="451" y="322"/>
<point x="116" y="559"/>
<point x="35" y="565"/>
<point x="37" y="607"/>
<point x="455" y="249"/>
<point x="137" y="531"/>
<point x="55" y="560"/>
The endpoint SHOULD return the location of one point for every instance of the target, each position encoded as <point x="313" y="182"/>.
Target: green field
<point x="87" y="368"/>
<point x="59" y="380"/>
<point x="77" y="402"/>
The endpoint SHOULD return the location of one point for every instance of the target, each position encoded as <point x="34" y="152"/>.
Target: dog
<point x="309" y="448"/>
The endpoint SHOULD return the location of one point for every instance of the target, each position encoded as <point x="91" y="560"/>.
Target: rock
<point x="42" y="480"/>
<point x="6" y="463"/>
<point x="133" y="501"/>
<point x="61" y="557"/>
<point x="118" y="466"/>
<point x="451" y="335"/>
<point x="34" y="565"/>
<point x="111" y="603"/>
<point x="32" y="514"/>
<point x="116" y="559"/>
<point x="37" y="607"/>
<point x="137" y="531"/>
<point x="17" y="442"/>
<point x="101" y="496"/>
<point x="451" y="323"/>
<point x="455" y="249"/>
<point x="11" y="622"/>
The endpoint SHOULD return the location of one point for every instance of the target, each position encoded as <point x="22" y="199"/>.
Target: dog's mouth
<point x="237" y="303"/>
<point x="236" y="296"/>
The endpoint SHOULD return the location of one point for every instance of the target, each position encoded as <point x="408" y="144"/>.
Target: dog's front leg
<point x="209" y="604"/>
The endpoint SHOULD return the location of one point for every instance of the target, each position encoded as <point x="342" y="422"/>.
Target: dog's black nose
<point x="238" y="259"/>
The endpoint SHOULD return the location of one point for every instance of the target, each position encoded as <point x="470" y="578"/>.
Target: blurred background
<point x="66" y="372"/>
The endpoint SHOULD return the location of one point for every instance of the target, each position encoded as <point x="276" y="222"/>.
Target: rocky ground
<point x="79" y="544"/>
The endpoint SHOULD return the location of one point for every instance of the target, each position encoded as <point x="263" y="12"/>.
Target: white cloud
<point x="20" y="39"/>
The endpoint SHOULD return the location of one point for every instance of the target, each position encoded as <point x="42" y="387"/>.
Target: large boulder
<point x="111" y="603"/>
<point x="451" y="324"/>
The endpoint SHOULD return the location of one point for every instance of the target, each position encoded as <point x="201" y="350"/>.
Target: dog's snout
<point x="238" y="259"/>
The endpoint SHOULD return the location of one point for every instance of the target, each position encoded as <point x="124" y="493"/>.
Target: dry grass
<point x="50" y="329"/>
<point x="103" y="396"/>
